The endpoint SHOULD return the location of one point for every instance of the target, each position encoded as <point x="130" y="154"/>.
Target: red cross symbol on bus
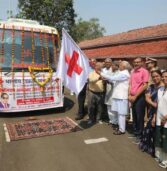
<point x="72" y="64"/>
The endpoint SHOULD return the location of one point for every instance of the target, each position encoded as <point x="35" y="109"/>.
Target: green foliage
<point x="60" y="14"/>
<point x="85" y="30"/>
<point x="56" y="13"/>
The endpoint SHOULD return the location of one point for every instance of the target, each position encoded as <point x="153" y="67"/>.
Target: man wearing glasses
<point x="4" y="100"/>
<point x="138" y="84"/>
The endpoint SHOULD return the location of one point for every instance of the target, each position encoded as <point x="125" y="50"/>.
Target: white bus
<point x="28" y="58"/>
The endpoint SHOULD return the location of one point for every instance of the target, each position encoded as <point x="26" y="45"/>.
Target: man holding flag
<point x="73" y="66"/>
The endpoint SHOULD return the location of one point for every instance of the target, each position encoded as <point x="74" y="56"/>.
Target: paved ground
<point x="68" y="152"/>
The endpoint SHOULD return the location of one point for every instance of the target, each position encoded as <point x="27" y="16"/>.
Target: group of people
<point x="122" y="87"/>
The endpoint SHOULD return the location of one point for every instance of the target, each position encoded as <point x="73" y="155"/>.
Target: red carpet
<point x="38" y="128"/>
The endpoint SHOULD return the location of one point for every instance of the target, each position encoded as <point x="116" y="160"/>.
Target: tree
<point x="56" y="13"/>
<point x="85" y="30"/>
<point x="60" y="14"/>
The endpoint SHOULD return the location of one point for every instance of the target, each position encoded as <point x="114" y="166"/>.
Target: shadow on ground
<point x="68" y="104"/>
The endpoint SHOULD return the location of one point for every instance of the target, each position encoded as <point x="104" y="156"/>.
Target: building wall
<point x="162" y="63"/>
<point x="158" y="47"/>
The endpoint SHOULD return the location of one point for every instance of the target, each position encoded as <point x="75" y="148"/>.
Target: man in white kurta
<point x="108" y="87"/>
<point x="120" y="95"/>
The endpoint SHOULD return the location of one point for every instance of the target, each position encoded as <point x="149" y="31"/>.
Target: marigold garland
<point x="33" y="57"/>
<point x="22" y="60"/>
<point x="47" y="56"/>
<point x="54" y="53"/>
<point x="12" y="69"/>
<point x="33" y="47"/>
<point x="54" y="48"/>
<point x="40" y="83"/>
<point x="43" y="54"/>
<point x="48" y="60"/>
<point x="42" y="49"/>
<point x="2" y="57"/>
<point x="32" y="68"/>
<point x="47" y="49"/>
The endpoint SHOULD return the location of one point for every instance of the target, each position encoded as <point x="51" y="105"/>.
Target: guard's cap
<point x="149" y="60"/>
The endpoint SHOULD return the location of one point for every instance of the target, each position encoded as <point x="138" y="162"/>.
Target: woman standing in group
<point x="147" y="140"/>
<point x="161" y="125"/>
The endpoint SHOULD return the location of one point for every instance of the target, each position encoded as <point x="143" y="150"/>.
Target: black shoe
<point x="91" y="122"/>
<point x="115" y="127"/>
<point x="79" y="117"/>
<point x="118" y="132"/>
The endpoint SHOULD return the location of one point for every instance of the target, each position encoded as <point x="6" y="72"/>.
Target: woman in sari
<point x="147" y="141"/>
<point x="161" y="125"/>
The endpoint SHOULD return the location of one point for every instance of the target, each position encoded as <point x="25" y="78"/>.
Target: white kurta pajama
<point x="109" y="87"/>
<point x="113" y="118"/>
<point x="120" y="96"/>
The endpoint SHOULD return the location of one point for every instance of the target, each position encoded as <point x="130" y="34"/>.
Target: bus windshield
<point x="22" y="48"/>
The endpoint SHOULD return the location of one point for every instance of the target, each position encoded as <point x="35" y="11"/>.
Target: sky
<point x="115" y="16"/>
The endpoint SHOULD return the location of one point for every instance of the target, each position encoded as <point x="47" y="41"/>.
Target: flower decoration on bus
<point x="32" y="71"/>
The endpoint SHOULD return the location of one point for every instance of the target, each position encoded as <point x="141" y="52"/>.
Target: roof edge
<point x="158" y="56"/>
<point x="125" y="42"/>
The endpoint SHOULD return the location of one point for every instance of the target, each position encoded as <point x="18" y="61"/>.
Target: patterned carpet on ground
<point x="38" y="128"/>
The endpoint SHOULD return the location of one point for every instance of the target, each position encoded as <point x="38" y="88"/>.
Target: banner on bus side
<point x="20" y="94"/>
